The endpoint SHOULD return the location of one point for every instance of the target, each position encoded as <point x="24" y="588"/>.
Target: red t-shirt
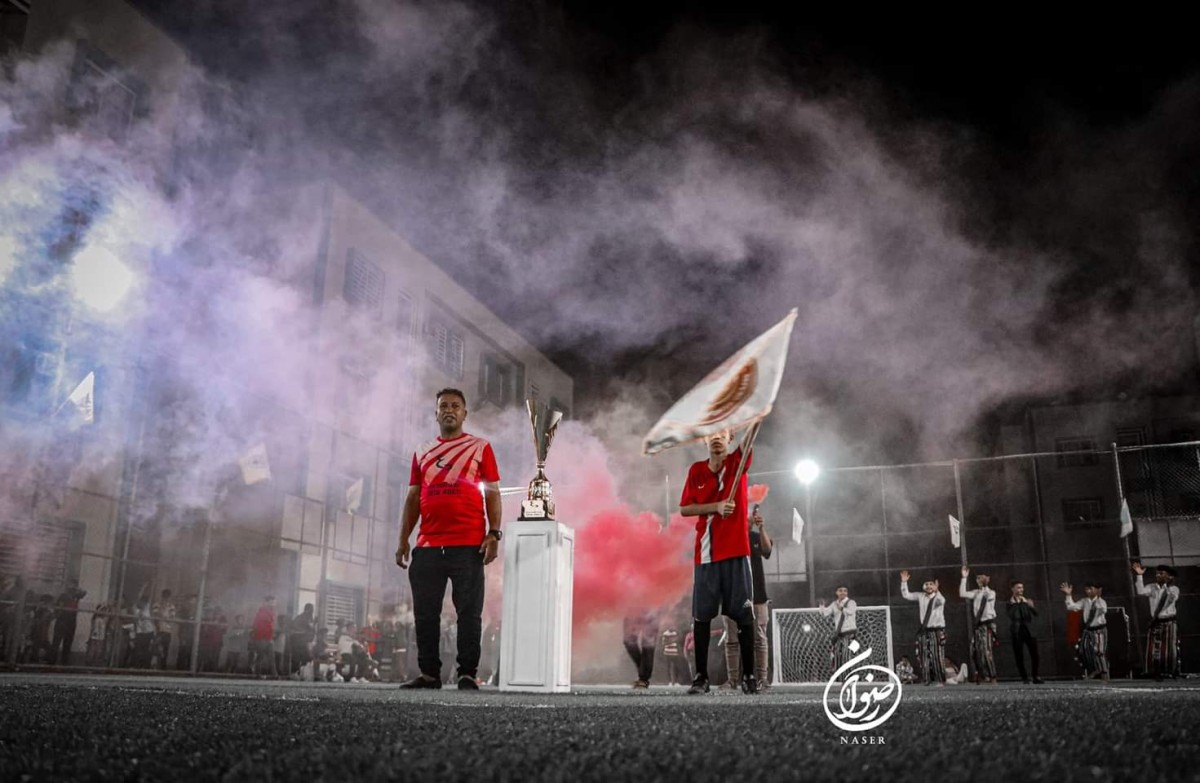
<point x="264" y="624"/>
<point x="448" y="473"/>
<point x="718" y="537"/>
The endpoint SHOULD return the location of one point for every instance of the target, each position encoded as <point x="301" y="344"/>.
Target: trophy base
<point x="535" y="632"/>
<point x="536" y="511"/>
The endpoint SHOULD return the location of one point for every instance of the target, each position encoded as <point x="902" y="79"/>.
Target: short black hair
<point x="1014" y="583"/>
<point x="457" y="392"/>
<point x="840" y="587"/>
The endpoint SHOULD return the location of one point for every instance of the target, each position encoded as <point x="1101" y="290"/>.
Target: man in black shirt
<point x="1021" y="612"/>
<point x="760" y="547"/>
<point x="66" y="615"/>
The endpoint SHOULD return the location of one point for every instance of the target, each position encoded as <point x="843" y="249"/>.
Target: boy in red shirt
<point x="262" y="638"/>
<point x="722" y="571"/>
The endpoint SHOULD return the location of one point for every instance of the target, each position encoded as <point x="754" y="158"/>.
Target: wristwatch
<point x="497" y="534"/>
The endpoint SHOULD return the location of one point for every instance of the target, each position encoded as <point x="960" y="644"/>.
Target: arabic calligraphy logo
<point x="863" y="694"/>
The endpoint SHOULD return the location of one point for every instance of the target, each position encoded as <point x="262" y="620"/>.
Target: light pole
<point x="807" y="472"/>
<point x="101" y="282"/>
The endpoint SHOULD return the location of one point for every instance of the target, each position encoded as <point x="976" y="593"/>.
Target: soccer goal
<point x="803" y="638"/>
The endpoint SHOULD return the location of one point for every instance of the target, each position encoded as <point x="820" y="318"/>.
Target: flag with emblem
<point x="736" y="394"/>
<point x="955" y="532"/>
<point x="797" y="527"/>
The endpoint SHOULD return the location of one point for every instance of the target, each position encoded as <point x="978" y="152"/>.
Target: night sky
<point x="971" y="214"/>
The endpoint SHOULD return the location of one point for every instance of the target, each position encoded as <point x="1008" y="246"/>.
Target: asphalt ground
<point x="76" y="727"/>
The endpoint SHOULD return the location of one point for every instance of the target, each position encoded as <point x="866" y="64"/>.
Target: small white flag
<point x="955" y="527"/>
<point x="84" y="398"/>
<point x="354" y="495"/>
<point x="797" y="527"/>
<point x="1126" y="519"/>
<point x="255" y="466"/>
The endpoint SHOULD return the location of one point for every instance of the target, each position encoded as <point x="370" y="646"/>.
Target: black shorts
<point x="723" y="587"/>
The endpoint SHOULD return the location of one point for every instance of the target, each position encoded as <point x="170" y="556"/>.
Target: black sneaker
<point x="699" y="685"/>
<point x="467" y="683"/>
<point x="749" y="684"/>
<point x="421" y="682"/>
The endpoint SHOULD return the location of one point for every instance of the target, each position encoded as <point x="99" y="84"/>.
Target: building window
<point x="105" y="96"/>
<point x="363" y="288"/>
<point x="1069" y="460"/>
<point x="27" y="378"/>
<point x="446" y="348"/>
<point x="406" y="311"/>
<point x="14" y="15"/>
<point x="47" y="553"/>
<point x="1130" y="437"/>
<point x="343" y="604"/>
<point x="1082" y="510"/>
<point x="496" y="377"/>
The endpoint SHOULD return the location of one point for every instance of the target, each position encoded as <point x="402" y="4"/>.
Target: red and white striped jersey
<point x="449" y="473"/>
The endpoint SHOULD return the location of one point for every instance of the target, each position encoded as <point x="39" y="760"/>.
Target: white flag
<point x="354" y="495"/>
<point x="738" y="393"/>
<point x="84" y="399"/>
<point x="797" y="527"/>
<point x="955" y="527"/>
<point x="1126" y="519"/>
<point x="255" y="466"/>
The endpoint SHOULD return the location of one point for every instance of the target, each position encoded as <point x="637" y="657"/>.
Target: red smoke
<point x="625" y="565"/>
<point x="757" y="493"/>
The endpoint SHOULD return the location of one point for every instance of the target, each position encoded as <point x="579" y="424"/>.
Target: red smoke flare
<point x="757" y="493"/>
<point x="625" y="565"/>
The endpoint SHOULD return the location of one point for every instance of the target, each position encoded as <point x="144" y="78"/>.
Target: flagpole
<point x="747" y="444"/>
<point x="666" y="501"/>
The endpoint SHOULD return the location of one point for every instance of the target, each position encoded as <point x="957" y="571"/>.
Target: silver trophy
<point x="544" y="420"/>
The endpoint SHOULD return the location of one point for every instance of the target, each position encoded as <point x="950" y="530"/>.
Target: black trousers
<point x="1022" y="637"/>
<point x="643" y="658"/>
<point x="64" y="638"/>
<point x="431" y="568"/>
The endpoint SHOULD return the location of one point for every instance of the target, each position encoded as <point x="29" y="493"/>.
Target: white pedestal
<point x="535" y="630"/>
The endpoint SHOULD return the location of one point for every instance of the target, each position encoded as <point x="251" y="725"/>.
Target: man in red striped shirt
<point x="454" y="482"/>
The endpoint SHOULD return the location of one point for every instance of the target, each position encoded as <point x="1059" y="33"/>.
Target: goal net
<point x="803" y="640"/>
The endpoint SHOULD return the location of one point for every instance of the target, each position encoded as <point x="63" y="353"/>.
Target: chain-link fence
<point x="1044" y="519"/>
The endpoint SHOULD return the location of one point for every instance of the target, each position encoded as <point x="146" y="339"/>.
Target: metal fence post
<point x="16" y="628"/>
<point x="1045" y="555"/>
<point x="198" y="619"/>
<point x="962" y="551"/>
<point x="887" y="557"/>
<point x="1137" y="631"/>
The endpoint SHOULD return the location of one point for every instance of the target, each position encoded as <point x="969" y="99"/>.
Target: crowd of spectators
<point x="161" y="634"/>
